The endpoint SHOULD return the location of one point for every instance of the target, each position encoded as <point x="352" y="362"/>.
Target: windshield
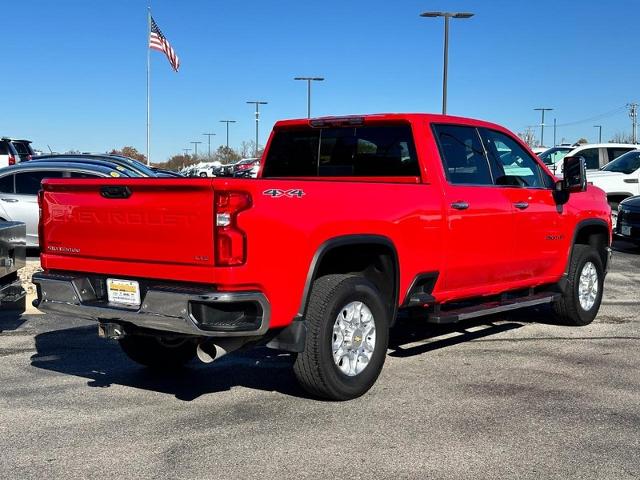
<point x="627" y="163"/>
<point x="554" y="155"/>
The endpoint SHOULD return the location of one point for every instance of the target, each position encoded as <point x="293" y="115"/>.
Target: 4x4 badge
<point x="276" y="192"/>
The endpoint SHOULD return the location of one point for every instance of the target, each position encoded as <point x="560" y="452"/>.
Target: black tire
<point x="568" y="308"/>
<point x="158" y="352"/>
<point x="315" y="367"/>
<point x="203" y="174"/>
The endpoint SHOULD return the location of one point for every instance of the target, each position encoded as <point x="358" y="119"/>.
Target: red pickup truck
<point x="350" y="220"/>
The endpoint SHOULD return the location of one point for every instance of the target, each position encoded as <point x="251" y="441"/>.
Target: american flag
<point x="157" y="41"/>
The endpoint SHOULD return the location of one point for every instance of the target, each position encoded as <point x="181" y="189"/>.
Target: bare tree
<point x="621" y="137"/>
<point x="528" y="137"/>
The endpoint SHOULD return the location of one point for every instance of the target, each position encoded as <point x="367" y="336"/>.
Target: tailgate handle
<point x="115" y="191"/>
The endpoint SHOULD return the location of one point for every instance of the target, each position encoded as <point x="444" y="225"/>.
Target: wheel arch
<point x="594" y="232"/>
<point x="343" y="254"/>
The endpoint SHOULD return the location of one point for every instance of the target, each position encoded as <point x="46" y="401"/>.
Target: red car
<point x="350" y="220"/>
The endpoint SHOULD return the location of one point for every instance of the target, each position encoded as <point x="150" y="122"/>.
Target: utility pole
<point x="186" y="151"/>
<point x="209" y="135"/>
<point x="447" y="16"/>
<point x="554" y="132"/>
<point x="257" y="103"/>
<point x="633" y="114"/>
<point x="227" y="122"/>
<point x="599" y="127"/>
<point x="542" y="123"/>
<point x="195" y="144"/>
<point x="309" y="80"/>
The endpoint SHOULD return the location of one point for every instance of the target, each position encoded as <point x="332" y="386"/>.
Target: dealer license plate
<point x="626" y="230"/>
<point x="126" y="292"/>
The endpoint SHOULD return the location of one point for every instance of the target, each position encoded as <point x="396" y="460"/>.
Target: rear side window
<point x="28" y="183"/>
<point x="615" y="152"/>
<point x="367" y="151"/>
<point x="462" y="155"/>
<point x="4" y="148"/>
<point x="6" y="184"/>
<point x="592" y="157"/>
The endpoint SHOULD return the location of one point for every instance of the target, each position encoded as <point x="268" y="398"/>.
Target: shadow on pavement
<point x="624" y="246"/>
<point x="11" y="316"/>
<point x="79" y="351"/>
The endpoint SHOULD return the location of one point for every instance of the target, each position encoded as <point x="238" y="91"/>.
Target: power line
<point x="594" y="118"/>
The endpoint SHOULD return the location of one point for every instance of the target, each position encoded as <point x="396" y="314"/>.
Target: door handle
<point x="460" y="205"/>
<point x="521" y="205"/>
<point x="9" y="200"/>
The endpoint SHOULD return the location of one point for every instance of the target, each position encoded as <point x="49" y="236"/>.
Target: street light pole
<point x="599" y="127"/>
<point x="309" y="80"/>
<point x="542" y="123"/>
<point x="257" y="103"/>
<point x="186" y="151"/>
<point x="195" y="152"/>
<point x="227" y="122"/>
<point x="447" y="16"/>
<point x="209" y="135"/>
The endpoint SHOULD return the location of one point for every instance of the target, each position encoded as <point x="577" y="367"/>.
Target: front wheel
<point x="580" y="302"/>
<point x="347" y="338"/>
<point x="158" y="352"/>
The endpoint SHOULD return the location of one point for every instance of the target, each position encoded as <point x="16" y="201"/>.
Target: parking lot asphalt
<point x="504" y="397"/>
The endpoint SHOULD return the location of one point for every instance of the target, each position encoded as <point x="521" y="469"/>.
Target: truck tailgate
<point x="146" y="221"/>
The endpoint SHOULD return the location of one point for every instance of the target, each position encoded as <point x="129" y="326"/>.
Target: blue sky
<point x="78" y="73"/>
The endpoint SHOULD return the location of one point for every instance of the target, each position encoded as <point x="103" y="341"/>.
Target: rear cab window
<point x="386" y="150"/>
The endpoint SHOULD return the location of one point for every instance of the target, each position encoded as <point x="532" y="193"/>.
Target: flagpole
<point x="148" y="86"/>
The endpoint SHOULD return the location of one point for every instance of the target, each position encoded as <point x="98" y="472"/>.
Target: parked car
<point x="8" y="154"/>
<point x="118" y="162"/>
<point x="619" y="179"/>
<point x="628" y="225"/>
<point x="243" y="167"/>
<point x="595" y="154"/>
<point x="23" y="147"/>
<point x="351" y="219"/>
<point x="19" y="186"/>
<point x="251" y="172"/>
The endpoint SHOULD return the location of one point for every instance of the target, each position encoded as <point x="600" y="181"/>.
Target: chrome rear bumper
<point x="183" y="308"/>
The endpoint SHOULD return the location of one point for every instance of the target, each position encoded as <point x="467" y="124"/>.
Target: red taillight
<point x="230" y="240"/>
<point x="40" y="221"/>
<point x="12" y="160"/>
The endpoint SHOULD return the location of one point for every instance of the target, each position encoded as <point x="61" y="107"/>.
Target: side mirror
<point x="575" y="174"/>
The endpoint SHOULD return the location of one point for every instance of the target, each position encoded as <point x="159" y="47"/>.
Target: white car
<point x="8" y="153"/>
<point x="596" y="154"/>
<point x="619" y="179"/>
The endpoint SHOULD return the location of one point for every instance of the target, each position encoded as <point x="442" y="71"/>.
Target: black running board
<point x="451" y="316"/>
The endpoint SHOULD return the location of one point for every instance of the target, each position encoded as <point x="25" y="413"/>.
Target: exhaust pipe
<point x="211" y="350"/>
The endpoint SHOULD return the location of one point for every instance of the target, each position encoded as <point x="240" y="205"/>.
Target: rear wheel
<point x="158" y="352"/>
<point x="347" y="338"/>
<point x="580" y="302"/>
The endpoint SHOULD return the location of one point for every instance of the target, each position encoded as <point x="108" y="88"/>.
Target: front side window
<point x="462" y="155"/>
<point x="512" y="164"/>
<point x="627" y="163"/>
<point x="364" y="151"/>
<point x="28" y="183"/>
<point x="591" y="156"/>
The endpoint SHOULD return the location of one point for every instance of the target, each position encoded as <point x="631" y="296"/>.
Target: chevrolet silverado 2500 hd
<point x="351" y="219"/>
